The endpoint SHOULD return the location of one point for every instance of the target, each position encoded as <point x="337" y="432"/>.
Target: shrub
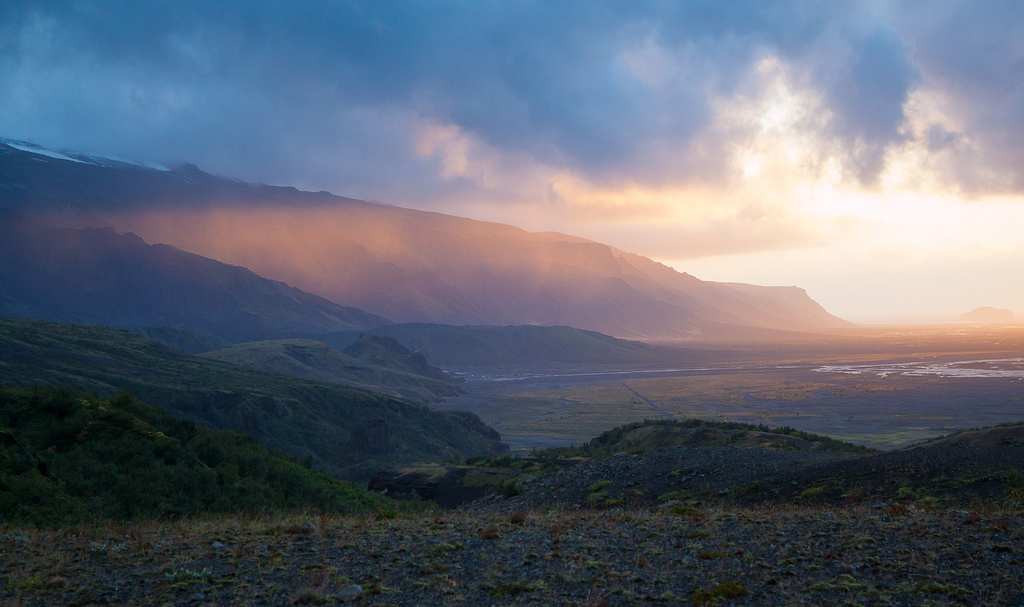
<point x="943" y="589"/>
<point x="510" y="486"/>
<point x="813" y="492"/>
<point x="722" y="590"/>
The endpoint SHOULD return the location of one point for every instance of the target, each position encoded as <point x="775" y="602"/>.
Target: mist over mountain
<point x="406" y="265"/>
<point x="98" y="276"/>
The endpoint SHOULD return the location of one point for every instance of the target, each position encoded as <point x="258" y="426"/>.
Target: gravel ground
<point x="791" y="556"/>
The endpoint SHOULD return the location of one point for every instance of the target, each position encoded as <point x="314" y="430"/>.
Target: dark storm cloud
<point x="328" y="94"/>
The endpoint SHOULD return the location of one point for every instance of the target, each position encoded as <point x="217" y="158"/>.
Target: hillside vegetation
<point x="188" y="342"/>
<point x="67" y="457"/>
<point x="347" y="432"/>
<point x="661" y="434"/>
<point x="375" y="363"/>
<point x="1003" y="434"/>
<point x="696" y="462"/>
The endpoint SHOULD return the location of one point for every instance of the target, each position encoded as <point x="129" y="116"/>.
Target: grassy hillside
<point x="188" y="342"/>
<point x="1003" y="434"/>
<point x="348" y="432"/>
<point x="366" y="364"/>
<point x="505" y="474"/>
<point x="514" y="347"/>
<point x="661" y="434"/>
<point x="388" y="353"/>
<point x="67" y="457"/>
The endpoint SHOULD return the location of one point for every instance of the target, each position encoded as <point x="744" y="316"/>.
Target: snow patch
<point x="28" y="147"/>
<point x="32" y="148"/>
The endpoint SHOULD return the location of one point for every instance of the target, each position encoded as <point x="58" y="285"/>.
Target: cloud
<point x="598" y="88"/>
<point x="547" y="108"/>
<point x="971" y="56"/>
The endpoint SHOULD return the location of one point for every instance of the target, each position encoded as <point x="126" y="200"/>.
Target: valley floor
<point x="884" y="391"/>
<point x="786" y="556"/>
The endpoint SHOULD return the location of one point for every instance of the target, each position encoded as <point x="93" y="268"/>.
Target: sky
<point x="870" y="152"/>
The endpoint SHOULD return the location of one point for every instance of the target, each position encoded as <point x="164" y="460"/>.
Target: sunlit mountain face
<point x="868" y="152"/>
<point x="404" y="265"/>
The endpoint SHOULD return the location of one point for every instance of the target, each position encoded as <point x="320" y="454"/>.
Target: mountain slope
<point x="401" y="373"/>
<point x="347" y="432"/>
<point x="100" y="277"/>
<point x="410" y="266"/>
<point x="388" y="353"/>
<point x="516" y="347"/>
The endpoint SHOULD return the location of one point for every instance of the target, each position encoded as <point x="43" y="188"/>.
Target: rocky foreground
<point x="936" y="525"/>
<point x="896" y="555"/>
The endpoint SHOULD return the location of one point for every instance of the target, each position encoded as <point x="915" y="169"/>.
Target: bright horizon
<point x="868" y="152"/>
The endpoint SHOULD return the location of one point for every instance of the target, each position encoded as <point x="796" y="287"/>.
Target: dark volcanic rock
<point x="448" y="486"/>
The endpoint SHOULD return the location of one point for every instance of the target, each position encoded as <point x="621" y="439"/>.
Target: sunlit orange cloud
<point x="775" y="152"/>
<point x="790" y="185"/>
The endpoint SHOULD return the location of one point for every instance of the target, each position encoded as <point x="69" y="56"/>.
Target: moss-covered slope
<point x="347" y="432"/>
<point x="66" y="457"/>
<point x="662" y="434"/>
<point x="366" y="364"/>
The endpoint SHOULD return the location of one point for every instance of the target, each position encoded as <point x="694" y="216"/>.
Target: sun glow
<point x="791" y="208"/>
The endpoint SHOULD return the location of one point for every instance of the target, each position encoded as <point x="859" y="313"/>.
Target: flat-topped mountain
<point x="406" y="265"/>
<point x="988" y="314"/>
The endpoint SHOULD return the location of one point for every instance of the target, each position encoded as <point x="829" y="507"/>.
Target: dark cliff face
<point x="448" y="486"/>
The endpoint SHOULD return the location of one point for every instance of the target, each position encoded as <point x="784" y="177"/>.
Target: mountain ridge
<point x="403" y="264"/>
